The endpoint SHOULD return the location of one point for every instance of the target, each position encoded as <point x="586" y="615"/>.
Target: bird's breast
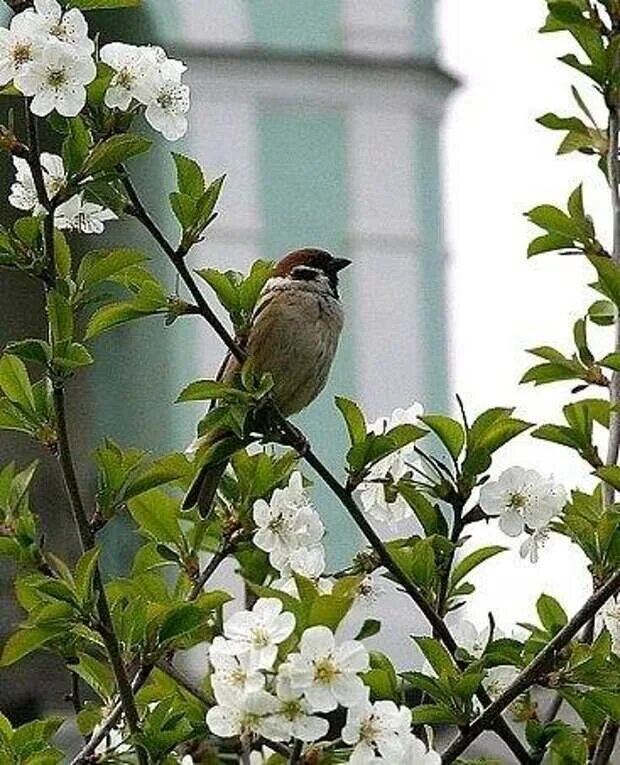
<point x="294" y="337"/>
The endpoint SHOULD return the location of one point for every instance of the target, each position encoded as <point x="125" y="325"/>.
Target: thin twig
<point x="209" y="570"/>
<point x="168" y="668"/>
<point x="296" y="752"/>
<point x="606" y="744"/>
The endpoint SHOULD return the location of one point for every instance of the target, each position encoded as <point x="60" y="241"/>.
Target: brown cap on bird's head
<point x="311" y="258"/>
<point x="308" y="263"/>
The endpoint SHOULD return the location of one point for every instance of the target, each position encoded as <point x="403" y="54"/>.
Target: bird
<point x="293" y="336"/>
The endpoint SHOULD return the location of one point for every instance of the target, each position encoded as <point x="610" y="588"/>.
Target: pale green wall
<point x="424" y="41"/>
<point x="296" y="24"/>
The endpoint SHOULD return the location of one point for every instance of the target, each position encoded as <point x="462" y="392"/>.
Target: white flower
<point x="166" y="100"/>
<point x="416" y="753"/>
<point x="381" y="732"/>
<point x="20" y="44"/>
<point x="261" y="630"/>
<point x="327" y="673"/>
<point x="23" y="194"/>
<point x="293" y="719"/>
<point x="132" y="66"/>
<point x="57" y="80"/>
<point x="611" y="619"/>
<point x="76" y="214"/>
<point x="497" y="679"/>
<point x="474" y="641"/>
<point x="522" y="498"/>
<point x="187" y="760"/>
<point x="69" y="28"/>
<point x="391" y="509"/>
<point x="533" y="543"/>
<point x="287" y="523"/>
<point x="233" y="671"/>
<point x="242" y="714"/>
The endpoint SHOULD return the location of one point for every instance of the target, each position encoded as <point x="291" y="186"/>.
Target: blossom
<point x="294" y="718"/>
<point x="166" y="99"/>
<point x="260" y="631"/>
<point x="377" y="496"/>
<point x="416" y="753"/>
<point x="132" y="66"/>
<point x="77" y="214"/>
<point x="69" y="28"/>
<point x="522" y="498"/>
<point x="497" y="679"/>
<point x="377" y="729"/>
<point x="57" y="80"/>
<point x="533" y="543"/>
<point x="327" y="673"/>
<point x="233" y="670"/>
<point x="20" y="44"/>
<point x="288" y="523"/>
<point x="611" y="619"/>
<point x="23" y="194"/>
<point x="473" y="640"/>
<point x="242" y="714"/>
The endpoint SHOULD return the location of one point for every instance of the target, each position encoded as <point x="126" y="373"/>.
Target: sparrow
<point x="293" y="336"/>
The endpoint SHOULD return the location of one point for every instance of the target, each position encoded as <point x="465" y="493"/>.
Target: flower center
<point x="237" y="677"/>
<point x="517" y="501"/>
<point x="58" y="31"/>
<point x="56" y="78"/>
<point x="369" y="730"/>
<point x="291" y="710"/>
<point x="22" y="53"/>
<point x="166" y="100"/>
<point x="125" y="78"/>
<point x="325" y="671"/>
<point x="260" y="637"/>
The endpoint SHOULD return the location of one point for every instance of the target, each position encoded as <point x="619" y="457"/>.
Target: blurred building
<point x="326" y="118"/>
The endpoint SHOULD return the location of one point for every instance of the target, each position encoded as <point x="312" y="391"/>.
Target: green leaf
<point x="206" y="204"/>
<point x="97" y="674"/>
<point x="31" y="350"/>
<point x="437" y="656"/>
<point x="610" y="474"/>
<point x="602" y="312"/>
<point x="183" y="619"/>
<point x="551" y="614"/>
<point x="60" y="315"/>
<point x="158" y="516"/>
<point x="161" y="471"/>
<point x="555" y="221"/>
<point x="471" y="561"/>
<point x="100" y="265"/>
<point x="190" y="179"/>
<point x="433" y="714"/>
<point x="73" y="357"/>
<point x="25" y="641"/>
<point x="354" y="419"/>
<point x="429" y="515"/>
<point x="449" y="431"/>
<point x="609" y="276"/>
<point x="113" y="151"/>
<point x="209" y="390"/>
<point x="608" y="701"/>
<point x="15" y="383"/>
<point x="369" y="628"/>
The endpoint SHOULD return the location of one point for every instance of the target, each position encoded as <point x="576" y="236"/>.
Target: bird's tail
<point x="216" y="450"/>
<point x="204" y="488"/>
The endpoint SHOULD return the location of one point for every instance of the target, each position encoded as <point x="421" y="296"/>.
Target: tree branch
<point x="532" y="672"/>
<point x="606" y="744"/>
<point x="293" y="438"/>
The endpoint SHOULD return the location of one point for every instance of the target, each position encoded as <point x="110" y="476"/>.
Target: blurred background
<point x="399" y="134"/>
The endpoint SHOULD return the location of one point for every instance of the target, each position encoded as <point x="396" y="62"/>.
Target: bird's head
<point x="313" y="266"/>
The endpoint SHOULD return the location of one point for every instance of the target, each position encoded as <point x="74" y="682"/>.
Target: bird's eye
<point x="305" y="273"/>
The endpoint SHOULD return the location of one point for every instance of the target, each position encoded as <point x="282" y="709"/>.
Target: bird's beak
<point x="339" y="263"/>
